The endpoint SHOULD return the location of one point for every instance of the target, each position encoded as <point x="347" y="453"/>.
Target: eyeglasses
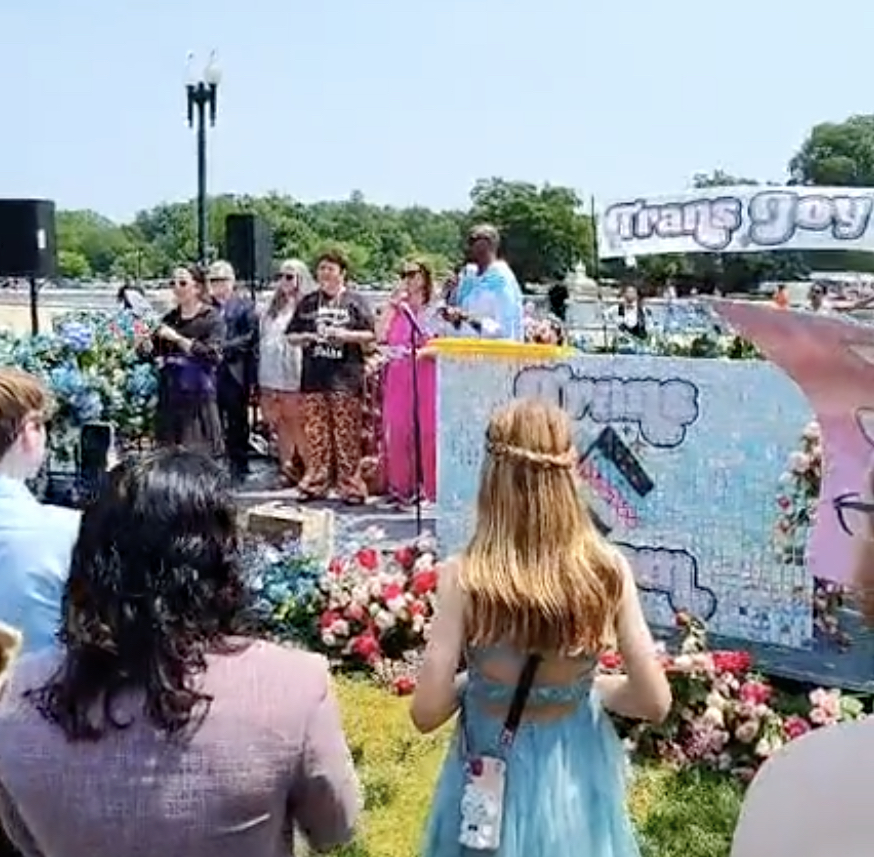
<point x="286" y="276"/>
<point x="854" y="514"/>
<point x="406" y="275"/>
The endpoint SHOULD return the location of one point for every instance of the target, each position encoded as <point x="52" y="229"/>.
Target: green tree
<point x="93" y="236"/>
<point x="73" y="265"/>
<point x="544" y="232"/>
<point x="837" y="153"/>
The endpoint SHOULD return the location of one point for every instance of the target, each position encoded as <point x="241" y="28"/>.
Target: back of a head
<point x="24" y="400"/>
<point x="537" y="573"/>
<point x="154" y="585"/>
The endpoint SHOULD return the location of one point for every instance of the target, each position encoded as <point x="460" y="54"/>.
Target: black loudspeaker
<point x="249" y="247"/>
<point x="28" y="242"/>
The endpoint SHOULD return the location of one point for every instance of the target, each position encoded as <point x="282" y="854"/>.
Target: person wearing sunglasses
<point x="188" y="349"/>
<point x="488" y="301"/>
<point x="410" y="302"/>
<point x="279" y="368"/>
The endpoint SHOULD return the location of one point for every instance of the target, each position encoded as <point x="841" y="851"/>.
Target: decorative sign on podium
<point x="686" y="465"/>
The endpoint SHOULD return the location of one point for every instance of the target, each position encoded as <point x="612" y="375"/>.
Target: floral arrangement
<point x="370" y="609"/>
<point x="725" y="717"/>
<point x="797" y="499"/>
<point x="89" y="363"/>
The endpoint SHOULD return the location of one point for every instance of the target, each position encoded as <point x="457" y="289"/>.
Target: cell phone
<point x="482" y="803"/>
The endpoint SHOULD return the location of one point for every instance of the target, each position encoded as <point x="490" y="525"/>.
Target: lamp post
<point x="202" y="97"/>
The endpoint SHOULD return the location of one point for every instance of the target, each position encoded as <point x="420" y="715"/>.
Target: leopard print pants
<point x="332" y="422"/>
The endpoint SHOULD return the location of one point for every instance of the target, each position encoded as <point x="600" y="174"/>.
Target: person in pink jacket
<point x="160" y="728"/>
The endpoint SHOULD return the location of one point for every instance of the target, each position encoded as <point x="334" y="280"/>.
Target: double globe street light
<point x="202" y="102"/>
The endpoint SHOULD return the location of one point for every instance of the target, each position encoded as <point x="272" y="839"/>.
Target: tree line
<point x="547" y="230"/>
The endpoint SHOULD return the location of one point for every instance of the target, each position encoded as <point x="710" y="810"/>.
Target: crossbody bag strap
<point x="520" y="698"/>
<point x="514" y="715"/>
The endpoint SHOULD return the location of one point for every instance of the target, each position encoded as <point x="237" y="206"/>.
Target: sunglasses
<point x="406" y="275"/>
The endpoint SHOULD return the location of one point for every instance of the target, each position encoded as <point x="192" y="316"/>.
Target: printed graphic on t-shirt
<point x="328" y="317"/>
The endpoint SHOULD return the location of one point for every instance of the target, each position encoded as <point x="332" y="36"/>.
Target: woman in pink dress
<point x="395" y="331"/>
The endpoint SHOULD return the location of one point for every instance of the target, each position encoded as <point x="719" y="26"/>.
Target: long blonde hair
<point x="537" y="574"/>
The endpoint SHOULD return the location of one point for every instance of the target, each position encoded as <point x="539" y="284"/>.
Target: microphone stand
<point x="416" y="335"/>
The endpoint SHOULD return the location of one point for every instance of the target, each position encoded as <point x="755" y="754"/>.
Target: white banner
<point x="739" y="220"/>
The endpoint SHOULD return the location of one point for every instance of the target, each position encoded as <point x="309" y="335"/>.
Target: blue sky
<point x="411" y="101"/>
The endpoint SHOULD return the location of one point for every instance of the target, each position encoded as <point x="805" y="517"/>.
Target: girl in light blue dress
<point x="537" y="587"/>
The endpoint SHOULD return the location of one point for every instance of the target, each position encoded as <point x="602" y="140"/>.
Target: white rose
<point x="384" y="620"/>
<point x="683" y="663"/>
<point x="328" y="638"/>
<point x="811" y="431"/>
<point x="424" y="562"/>
<point x="715" y="700"/>
<point x="799" y="462"/>
<point x="396" y="605"/>
<point x="340" y="628"/>
<point x="714" y="716"/>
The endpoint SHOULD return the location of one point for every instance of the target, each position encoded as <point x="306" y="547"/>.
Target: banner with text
<point x="739" y="220"/>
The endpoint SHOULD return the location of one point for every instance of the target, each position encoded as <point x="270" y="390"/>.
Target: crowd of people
<point x="333" y="379"/>
<point x="147" y="716"/>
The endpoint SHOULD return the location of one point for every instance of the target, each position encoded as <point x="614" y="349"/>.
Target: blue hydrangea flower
<point x="87" y="406"/>
<point x="76" y="336"/>
<point x="142" y="383"/>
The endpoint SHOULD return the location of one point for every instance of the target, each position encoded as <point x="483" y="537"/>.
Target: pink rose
<point x="795" y="726"/>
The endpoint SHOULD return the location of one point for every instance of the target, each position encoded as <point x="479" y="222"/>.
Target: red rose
<point x="784" y="502"/>
<point x="732" y="662"/>
<point x="754" y="693"/>
<point x="366" y="646"/>
<point x="405" y="557"/>
<point x="404" y="685"/>
<point x="355" y="612"/>
<point x="424" y="582"/>
<point x="392" y="591"/>
<point x="611" y="660"/>
<point x="327" y="619"/>
<point x="335" y="566"/>
<point x="368" y="559"/>
<point x="416" y="608"/>
<point x="795" y="726"/>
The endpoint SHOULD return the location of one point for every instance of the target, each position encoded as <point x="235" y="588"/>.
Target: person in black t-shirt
<point x="333" y="325"/>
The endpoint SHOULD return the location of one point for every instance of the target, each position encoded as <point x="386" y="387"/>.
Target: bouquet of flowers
<point x="90" y="365"/>
<point x="797" y="499"/>
<point x="376" y="605"/>
<point x="285" y="581"/>
<point x="724" y="716"/>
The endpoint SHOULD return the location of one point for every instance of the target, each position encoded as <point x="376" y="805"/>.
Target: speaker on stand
<point x="249" y="248"/>
<point x="28" y="245"/>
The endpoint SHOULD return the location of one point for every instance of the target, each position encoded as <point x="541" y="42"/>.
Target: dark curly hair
<point x="155" y="585"/>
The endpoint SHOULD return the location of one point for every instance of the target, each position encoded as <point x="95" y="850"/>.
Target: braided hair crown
<point x="544" y="460"/>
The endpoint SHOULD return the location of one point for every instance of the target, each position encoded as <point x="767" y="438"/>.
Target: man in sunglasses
<point x="488" y="301"/>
